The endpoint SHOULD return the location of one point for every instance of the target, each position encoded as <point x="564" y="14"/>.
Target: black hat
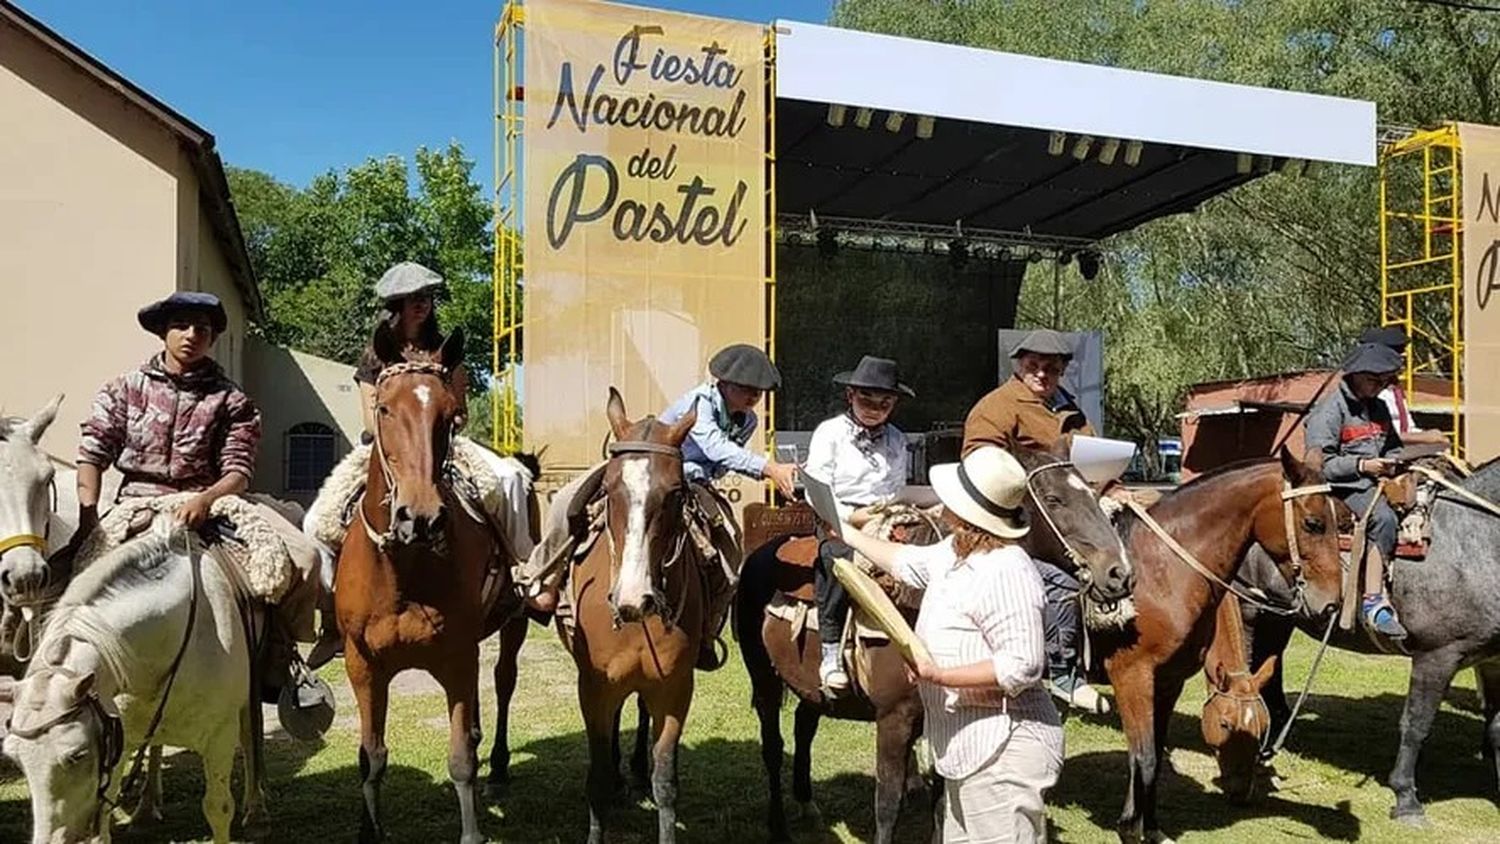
<point x="1044" y="341"/>
<point x="1390" y="336"/>
<point x="1371" y="358"/>
<point x="154" y="316"/>
<point x="745" y="365"/>
<point x="874" y="374"/>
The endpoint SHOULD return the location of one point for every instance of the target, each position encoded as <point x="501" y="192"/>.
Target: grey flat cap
<point x="1044" y="341"/>
<point x="1390" y="336"/>
<point x="405" y="279"/>
<point x="745" y="365"/>
<point x="1372" y="358"/>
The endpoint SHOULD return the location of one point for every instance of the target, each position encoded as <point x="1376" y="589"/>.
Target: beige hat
<point x="985" y="490"/>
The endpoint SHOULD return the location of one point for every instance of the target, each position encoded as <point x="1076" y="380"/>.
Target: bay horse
<point x="1235" y="722"/>
<point x="1068" y="529"/>
<point x="639" y="607"/>
<point x="1449" y="603"/>
<point x="417" y="581"/>
<point x="1277" y="502"/>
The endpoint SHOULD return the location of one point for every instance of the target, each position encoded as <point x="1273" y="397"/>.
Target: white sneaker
<point x="831" y="672"/>
<point x="1078" y="694"/>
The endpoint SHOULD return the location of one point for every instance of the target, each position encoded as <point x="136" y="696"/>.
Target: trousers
<point x="1061" y="618"/>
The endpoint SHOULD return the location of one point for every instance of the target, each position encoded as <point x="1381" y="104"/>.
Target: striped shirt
<point x="988" y="606"/>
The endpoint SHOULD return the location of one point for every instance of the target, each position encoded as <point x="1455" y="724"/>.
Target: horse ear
<point x="1263" y="676"/>
<point x="1217" y="676"/>
<point x="615" y="411"/>
<point x="679" y="433"/>
<point x="38" y="424"/>
<point x="452" y="352"/>
<point x="1291" y="467"/>
<point x="81" y="687"/>
<point x="387" y="347"/>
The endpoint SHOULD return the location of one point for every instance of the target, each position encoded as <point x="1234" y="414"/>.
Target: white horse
<point x="29" y="529"/>
<point x="107" y="657"/>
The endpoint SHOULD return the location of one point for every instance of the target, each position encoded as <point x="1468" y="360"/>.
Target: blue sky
<point x="295" y="87"/>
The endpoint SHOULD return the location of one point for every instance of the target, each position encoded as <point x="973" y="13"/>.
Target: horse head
<point x="1298" y="528"/>
<point x="1068" y="527"/>
<point x="1237" y="724"/>
<point x="25" y="506"/>
<point x="415" y="420"/>
<point x="646" y="492"/>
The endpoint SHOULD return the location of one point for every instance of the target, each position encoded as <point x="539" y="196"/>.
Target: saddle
<point x="1411" y="498"/>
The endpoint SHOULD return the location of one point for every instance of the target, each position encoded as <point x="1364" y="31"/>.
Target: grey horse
<point x="1450" y="605"/>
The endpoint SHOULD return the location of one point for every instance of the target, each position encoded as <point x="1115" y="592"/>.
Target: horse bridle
<point x="1256" y="702"/>
<point x="29" y="624"/>
<point x="1288" y="517"/>
<point x="1082" y="572"/>
<point x="442" y="373"/>
<point x="625" y="448"/>
<point x="32" y="540"/>
<point x="109" y="745"/>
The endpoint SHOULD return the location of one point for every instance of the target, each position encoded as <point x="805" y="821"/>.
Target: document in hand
<point x="820" y="496"/>
<point x="1099" y="459"/>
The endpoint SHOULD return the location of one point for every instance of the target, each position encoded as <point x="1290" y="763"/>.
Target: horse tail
<point x="756" y="586"/>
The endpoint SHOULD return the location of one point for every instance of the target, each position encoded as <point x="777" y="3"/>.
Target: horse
<point x="30" y="527"/>
<point x="1235" y="720"/>
<point x="146" y="646"/>
<point x="1449" y="603"/>
<point x="639" y="607"/>
<point x="1211" y="521"/>
<point x="1070" y="530"/>
<point x="418" y="581"/>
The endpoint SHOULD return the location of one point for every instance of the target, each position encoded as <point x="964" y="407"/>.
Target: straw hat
<point x="985" y="490"/>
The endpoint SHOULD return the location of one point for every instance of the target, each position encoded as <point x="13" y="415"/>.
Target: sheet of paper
<point x="822" y="501"/>
<point x="1099" y="459"/>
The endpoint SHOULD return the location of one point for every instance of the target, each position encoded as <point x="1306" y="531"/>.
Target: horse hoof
<point x="810" y="813"/>
<point x="495" y="789"/>
<point x="1156" y="836"/>
<point x="1412" y="820"/>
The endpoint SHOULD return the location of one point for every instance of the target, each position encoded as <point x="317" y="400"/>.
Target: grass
<point x="1340" y="752"/>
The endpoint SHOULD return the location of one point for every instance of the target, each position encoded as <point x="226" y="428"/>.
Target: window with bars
<point x="310" y="456"/>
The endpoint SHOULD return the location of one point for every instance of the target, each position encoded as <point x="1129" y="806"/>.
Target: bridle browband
<point x="436" y="370"/>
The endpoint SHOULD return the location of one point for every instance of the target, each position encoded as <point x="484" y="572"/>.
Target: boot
<point x="330" y="642"/>
<point x="1380" y="616"/>
<point x="831" y="670"/>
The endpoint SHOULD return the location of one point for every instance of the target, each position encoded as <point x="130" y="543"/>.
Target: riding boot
<point x="330" y="642"/>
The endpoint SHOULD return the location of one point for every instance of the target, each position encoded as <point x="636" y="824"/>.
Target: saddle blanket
<point x="803" y="615"/>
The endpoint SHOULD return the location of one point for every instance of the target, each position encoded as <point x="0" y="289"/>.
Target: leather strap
<point x="623" y="447"/>
<point x="24" y="540"/>
<point x="1192" y="563"/>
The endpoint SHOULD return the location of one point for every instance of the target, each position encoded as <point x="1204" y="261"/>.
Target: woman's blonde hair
<point x="970" y="539"/>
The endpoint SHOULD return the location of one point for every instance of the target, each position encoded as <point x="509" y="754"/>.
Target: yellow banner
<point x="1481" y="297"/>
<point x="645" y="217"/>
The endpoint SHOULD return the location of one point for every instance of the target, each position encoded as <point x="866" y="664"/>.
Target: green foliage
<point x="318" y="251"/>
<point x="1276" y="275"/>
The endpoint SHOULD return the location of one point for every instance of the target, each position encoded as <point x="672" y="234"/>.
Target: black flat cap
<point x="1044" y="341"/>
<point x="154" y="316"/>
<point x="1390" y="336"/>
<point x="1371" y="358"/>
<point x="745" y="365"/>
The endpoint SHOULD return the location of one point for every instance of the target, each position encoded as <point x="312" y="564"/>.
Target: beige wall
<point x="292" y="388"/>
<point x="88" y="232"/>
<point x="213" y="276"/>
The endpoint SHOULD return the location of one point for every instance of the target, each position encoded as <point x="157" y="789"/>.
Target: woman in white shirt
<point x="995" y="734"/>
<point x="863" y="459"/>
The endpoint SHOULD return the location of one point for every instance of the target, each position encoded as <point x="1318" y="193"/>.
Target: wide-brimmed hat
<point x="1371" y="358"/>
<point x="745" y="365"/>
<point x="986" y="490"/>
<point x="1390" y="336"/>
<point x="874" y="373"/>
<point x="1044" y="341"/>
<point x="405" y="279"/>
<point x="154" y="316"/>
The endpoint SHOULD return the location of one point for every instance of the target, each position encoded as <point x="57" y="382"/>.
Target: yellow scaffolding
<point x="1421" y="256"/>
<point x="508" y="209"/>
<point x="769" y="294"/>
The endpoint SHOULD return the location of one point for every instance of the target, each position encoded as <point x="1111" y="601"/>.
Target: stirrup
<point x="712" y="654"/>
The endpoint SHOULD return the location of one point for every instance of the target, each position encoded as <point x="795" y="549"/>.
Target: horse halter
<point x="626" y="448"/>
<point x="1084" y="576"/>
<point x="1255" y="704"/>
<point x="1288" y="517"/>
<point x="442" y="373"/>
<point x="32" y="540"/>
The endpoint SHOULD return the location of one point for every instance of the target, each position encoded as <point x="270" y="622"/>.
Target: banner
<point x="644" y="160"/>
<point x="1481" y="294"/>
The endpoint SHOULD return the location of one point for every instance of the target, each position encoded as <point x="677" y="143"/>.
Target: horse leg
<point x="372" y="694"/>
<point x="669" y="703"/>
<point x="253" y="791"/>
<point x="768" y="710"/>
<point x="148" y="809"/>
<point x="512" y="636"/>
<point x="640" y="767"/>
<point x="460" y="682"/>
<point x="1165" y="698"/>
<point x="218" y="767"/>
<point x="805" y="729"/>
<point x="895" y="733"/>
<point x="1134" y="695"/>
<point x="1487" y="675"/>
<point x="600" y="704"/>
<point x="1431" y="673"/>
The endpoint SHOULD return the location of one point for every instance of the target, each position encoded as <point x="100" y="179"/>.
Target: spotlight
<point x="1108" y="150"/>
<point x="1133" y="153"/>
<point x="925" y="126"/>
<point x="1056" y="142"/>
<point x="836" y="114"/>
<point x="828" y="243"/>
<point x="894" y="120"/>
<point x="862" y="117"/>
<point x="958" y="253"/>
<point x="1088" y="265"/>
<point x="1081" y="148"/>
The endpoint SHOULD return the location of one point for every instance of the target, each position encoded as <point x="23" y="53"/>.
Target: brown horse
<point x="639" y="609"/>
<point x="416" y="583"/>
<point x="1279" y="503"/>
<point x="1069" y="530"/>
<point x="1235" y="719"/>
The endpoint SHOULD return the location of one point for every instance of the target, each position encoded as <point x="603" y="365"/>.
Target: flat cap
<point x="154" y="316"/>
<point x="1390" y="336"/>
<point x="1044" y="341"/>
<point x="1371" y="358"/>
<point x="405" y="279"/>
<point x="745" y="365"/>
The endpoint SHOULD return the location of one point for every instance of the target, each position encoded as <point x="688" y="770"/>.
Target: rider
<point x="407" y="291"/>
<point x="726" y="420"/>
<point x="1394" y="396"/>
<point x="179" y="424"/>
<point x="863" y="458"/>
<point x="1352" y="431"/>
<point x="1032" y="410"/>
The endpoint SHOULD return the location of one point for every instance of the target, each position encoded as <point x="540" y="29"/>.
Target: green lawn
<point x="1331" y="786"/>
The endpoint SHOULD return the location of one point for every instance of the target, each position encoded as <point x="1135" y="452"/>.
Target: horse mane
<point x="1214" y="475"/>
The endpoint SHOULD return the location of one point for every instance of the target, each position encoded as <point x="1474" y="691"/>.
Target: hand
<point x="1377" y="467"/>
<point x="861" y="517"/>
<point x="922" y="669"/>
<point x="784" y="475"/>
<point x="194" y="512"/>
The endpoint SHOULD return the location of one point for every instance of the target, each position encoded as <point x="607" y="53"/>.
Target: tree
<point x="318" y="251"/>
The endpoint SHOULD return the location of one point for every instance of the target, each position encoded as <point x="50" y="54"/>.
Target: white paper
<point x="823" y="503"/>
<point x="1099" y="459"/>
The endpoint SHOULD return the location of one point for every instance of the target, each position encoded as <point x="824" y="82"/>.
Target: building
<point x="110" y="199"/>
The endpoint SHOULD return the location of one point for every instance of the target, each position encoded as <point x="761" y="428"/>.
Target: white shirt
<point x="1403" y="420"/>
<point x="859" y="471"/>
<point x="984" y="607"/>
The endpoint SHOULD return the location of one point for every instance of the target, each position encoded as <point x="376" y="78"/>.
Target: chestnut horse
<point x="416" y="583"/>
<point x="639" y="607"/>
<point x="1236" y="722"/>
<point x="1213" y="520"/>
<point x="1068" y="529"/>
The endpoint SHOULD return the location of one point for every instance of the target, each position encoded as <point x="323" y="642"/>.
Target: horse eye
<point x="1313" y="524"/>
<point x="383" y="410"/>
<point x="76" y="756"/>
<point x="1053" y="501"/>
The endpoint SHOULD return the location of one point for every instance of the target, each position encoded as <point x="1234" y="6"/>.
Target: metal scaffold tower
<point x="508" y="208"/>
<point x="1421" y="255"/>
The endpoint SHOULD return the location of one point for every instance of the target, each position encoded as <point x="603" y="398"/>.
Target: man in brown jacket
<point x="1031" y="409"/>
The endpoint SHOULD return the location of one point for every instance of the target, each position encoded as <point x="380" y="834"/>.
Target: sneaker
<point x="831" y="672"/>
<point x="1380" y="616"/>
<point x="1077" y="693"/>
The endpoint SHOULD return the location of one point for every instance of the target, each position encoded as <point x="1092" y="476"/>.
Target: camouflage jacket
<point x="169" y="433"/>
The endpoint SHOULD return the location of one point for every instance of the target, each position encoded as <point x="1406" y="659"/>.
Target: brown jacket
<point x="1011" y="415"/>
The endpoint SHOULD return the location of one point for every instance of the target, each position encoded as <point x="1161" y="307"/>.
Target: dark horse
<point x="1069" y="530"/>
<point x="1450" y="605"/>
<point x="416" y="580"/>
<point x="1279" y="503"/>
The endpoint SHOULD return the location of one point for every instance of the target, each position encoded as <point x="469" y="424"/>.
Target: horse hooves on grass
<point x="809" y="813"/>
<point x="1156" y="836"/>
<point x="495" y="789"/>
<point x="1412" y="820"/>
